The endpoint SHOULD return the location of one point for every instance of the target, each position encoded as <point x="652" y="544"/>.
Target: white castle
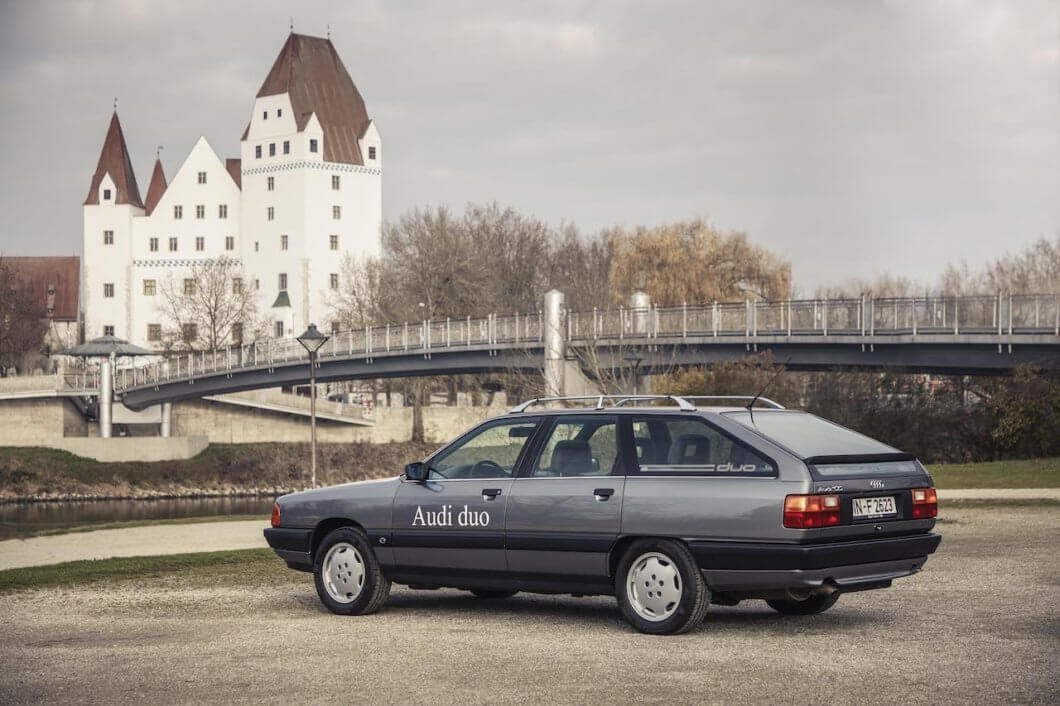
<point x="305" y="191"/>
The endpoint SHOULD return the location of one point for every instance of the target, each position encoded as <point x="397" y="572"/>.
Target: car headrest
<point x="572" y="457"/>
<point x="689" y="449"/>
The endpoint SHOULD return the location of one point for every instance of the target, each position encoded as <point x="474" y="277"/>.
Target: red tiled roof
<point x="156" y="188"/>
<point x="234" y="166"/>
<point x="114" y="160"/>
<point x="311" y="72"/>
<point x="53" y="283"/>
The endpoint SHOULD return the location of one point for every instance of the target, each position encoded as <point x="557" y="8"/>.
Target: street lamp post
<point x="312" y="340"/>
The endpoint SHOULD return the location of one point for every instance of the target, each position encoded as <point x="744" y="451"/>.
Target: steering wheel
<point x="493" y="469"/>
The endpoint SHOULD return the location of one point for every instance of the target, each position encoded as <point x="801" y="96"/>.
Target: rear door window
<point x="579" y="446"/>
<point x="691" y="447"/>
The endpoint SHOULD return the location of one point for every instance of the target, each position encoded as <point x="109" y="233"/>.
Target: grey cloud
<point x="853" y="138"/>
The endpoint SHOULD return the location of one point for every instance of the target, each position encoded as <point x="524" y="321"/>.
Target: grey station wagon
<point x="663" y="502"/>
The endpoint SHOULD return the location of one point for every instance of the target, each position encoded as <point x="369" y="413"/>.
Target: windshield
<point x="808" y="436"/>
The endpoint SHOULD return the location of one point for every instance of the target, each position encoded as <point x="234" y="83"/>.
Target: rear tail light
<point x="806" y="511"/>
<point x="275" y="519"/>
<point x="925" y="502"/>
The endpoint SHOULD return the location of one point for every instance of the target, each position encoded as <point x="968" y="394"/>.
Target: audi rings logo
<point x="875" y="484"/>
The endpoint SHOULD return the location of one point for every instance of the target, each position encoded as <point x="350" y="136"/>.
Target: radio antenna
<point x="772" y="379"/>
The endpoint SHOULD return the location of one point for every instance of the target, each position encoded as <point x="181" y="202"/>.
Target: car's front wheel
<point x="808" y="605"/>
<point x="347" y="576"/>
<point x="659" y="587"/>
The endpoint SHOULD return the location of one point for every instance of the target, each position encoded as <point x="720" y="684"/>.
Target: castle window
<point x="150" y="287"/>
<point x="312" y="145"/>
<point x="154" y="332"/>
<point x="108" y="237"/>
<point x="189" y="332"/>
<point x="270" y="213"/>
<point x="237" y="285"/>
<point x="106" y="194"/>
<point x="333" y="242"/>
<point x="230" y="242"/>
<point x="282" y="281"/>
<point x="200" y="212"/>
<point x="200" y="243"/>
<point x="108" y="330"/>
<point x="222" y="210"/>
<point x="335" y="182"/>
<point x="256" y="246"/>
<point x="279" y="329"/>
<point x="237" y="332"/>
<point x="371" y="152"/>
<point x="264" y="115"/>
<point x="283" y="242"/>
<point x="257" y="151"/>
<point x="279" y="112"/>
<point x="336" y="212"/>
<point x="178" y="212"/>
<point x="152" y="244"/>
<point x="172" y="245"/>
<point x="257" y="284"/>
<point x="333" y="279"/>
<point x="189" y="287"/>
<point x="272" y="149"/>
<point x="108" y="291"/>
<point x="202" y="177"/>
<point x="270" y="183"/>
<point x="287" y="147"/>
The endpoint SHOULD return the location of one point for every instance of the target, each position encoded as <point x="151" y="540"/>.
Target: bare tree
<point x="211" y="306"/>
<point x="22" y="324"/>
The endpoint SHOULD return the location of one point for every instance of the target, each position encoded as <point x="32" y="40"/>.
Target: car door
<point x="452" y="524"/>
<point x="564" y="511"/>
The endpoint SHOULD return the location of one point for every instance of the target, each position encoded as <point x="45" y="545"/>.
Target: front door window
<point x="488" y="452"/>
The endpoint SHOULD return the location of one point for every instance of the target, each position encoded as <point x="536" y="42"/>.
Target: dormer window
<point x="106" y="194"/>
<point x="371" y="152"/>
<point x="312" y="145"/>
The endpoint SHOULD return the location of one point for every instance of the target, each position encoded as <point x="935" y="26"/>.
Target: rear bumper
<point x="730" y="566"/>
<point x="292" y="545"/>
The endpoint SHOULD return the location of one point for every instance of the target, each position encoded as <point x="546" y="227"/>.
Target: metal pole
<point x="313" y="419"/>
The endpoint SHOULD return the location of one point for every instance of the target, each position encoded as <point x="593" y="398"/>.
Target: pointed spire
<point x="114" y="160"/>
<point x="156" y="188"/>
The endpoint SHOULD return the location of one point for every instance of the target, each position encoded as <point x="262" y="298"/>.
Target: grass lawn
<point x="243" y="567"/>
<point x="1032" y="473"/>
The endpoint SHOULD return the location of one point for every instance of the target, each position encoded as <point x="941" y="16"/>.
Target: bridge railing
<point x="866" y="316"/>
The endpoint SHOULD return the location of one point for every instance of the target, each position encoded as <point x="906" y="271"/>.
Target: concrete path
<point x="246" y="534"/>
<point x="132" y="541"/>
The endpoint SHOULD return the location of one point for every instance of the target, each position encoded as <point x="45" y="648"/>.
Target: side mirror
<point x="416" y="471"/>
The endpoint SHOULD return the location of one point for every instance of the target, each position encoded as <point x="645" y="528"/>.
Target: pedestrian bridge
<point x="945" y="335"/>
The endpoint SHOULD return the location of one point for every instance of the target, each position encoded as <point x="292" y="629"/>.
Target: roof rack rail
<point x="603" y="401"/>
<point x="744" y="398"/>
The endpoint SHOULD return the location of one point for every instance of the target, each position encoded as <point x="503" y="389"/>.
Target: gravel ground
<point x="981" y="624"/>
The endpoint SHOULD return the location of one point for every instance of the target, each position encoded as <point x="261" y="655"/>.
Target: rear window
<point x="808" y="436"/>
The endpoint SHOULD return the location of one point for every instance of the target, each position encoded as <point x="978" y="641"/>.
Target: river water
<point x="26" y="519"/>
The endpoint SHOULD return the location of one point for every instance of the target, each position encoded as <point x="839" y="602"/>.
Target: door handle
<point x="602" y="495"/>
<point x="490" y="493"/>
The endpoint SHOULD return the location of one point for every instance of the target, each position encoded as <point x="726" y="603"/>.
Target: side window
<point x="671" y="446"/>
<point x="491" y="452"/>
<point x="579" y="446"/>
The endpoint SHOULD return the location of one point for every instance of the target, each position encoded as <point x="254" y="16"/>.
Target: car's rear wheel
<point x="347" y="576"/>
<point x="487" y="593"/>
<point x="810" y="605"/>
<point x="659" y="587"/>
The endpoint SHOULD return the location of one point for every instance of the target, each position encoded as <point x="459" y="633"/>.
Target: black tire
<point x="364" y="575"/>
<point x="811" y="605"/>
<point x="487" y="593"/>
<point x="692" y="597"/>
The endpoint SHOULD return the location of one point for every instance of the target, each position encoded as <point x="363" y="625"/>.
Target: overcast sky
<point x="850" y="137"/>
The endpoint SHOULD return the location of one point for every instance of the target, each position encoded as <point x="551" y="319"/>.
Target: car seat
<point x="572" y="457"/>
<point x="690" y="450"/>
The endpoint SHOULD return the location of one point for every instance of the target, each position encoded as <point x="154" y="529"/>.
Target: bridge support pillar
<point x="106" y="397"/>
<point x="555" y="335"/>
<point x="166" y="427"/>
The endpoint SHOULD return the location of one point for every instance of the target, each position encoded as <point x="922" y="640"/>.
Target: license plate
<point x="874" y="507"/>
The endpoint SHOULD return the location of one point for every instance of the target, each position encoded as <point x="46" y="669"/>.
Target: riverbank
<point x="222" y="470"/>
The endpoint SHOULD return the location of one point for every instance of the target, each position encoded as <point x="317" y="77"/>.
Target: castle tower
<point x="311" y="163"/>
<point x="112" y="202"/>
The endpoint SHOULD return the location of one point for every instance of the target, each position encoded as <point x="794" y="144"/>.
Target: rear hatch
<point x="875" y="482"/>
